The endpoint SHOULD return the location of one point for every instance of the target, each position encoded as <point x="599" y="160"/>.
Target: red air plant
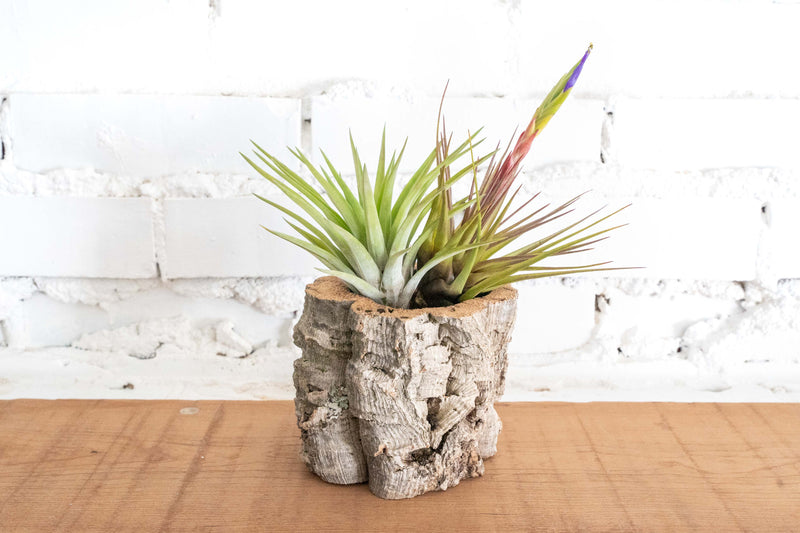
<point x="486" y="226"/>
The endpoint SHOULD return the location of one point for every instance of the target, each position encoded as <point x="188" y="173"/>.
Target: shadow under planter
<point x="402" y="398"/>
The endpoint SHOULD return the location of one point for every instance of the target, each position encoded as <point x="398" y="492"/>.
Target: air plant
<point x="489" y="228"/>
<point x="369" y="238"/>
<point x="421" y="247"/>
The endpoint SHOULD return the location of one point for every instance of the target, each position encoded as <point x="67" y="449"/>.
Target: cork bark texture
<point x="401" y="398"/>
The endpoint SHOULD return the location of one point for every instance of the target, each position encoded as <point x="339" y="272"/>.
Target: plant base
<point x="402" y="398"/>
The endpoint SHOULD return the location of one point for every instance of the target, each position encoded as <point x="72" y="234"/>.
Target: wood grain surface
<point x="144" y="466"/>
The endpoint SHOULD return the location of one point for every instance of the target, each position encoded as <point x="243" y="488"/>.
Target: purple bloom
<point x="577" y="72"/>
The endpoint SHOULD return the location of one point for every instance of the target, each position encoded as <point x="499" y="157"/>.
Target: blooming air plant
<point x="420" y="247"/>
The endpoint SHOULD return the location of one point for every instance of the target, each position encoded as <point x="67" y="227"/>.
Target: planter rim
<point x="333" y="288"/>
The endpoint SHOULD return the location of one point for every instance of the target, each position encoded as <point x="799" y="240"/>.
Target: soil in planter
<point x="401" y="398"/>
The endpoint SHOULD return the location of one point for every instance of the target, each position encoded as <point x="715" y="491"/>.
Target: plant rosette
<point x="404" y="342"/>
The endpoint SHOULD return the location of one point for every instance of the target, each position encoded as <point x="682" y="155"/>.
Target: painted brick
<point x="782" y="250"/>
<point x="552" y="318"/>
<point x="680" y="48"/>
<point x="148" y="135"/>
<point x="162" y="303"/>
<point x="690" y="238"/>
<point x="651" y="327"/>
<point x="51" y="46"/>
<point x="223" y="238"/>
<point x="314" y="43"/>
<point x="574" y="135"/>
<point x="660" y="316"/>
<point x="69" y="308"/>
<point x="41" y="321"/>
<point x="691" y="134"/>
<point x="191" y="46"/>
<point x="332" y="119"/>
<point x="694" y="238"/>
<point x="80" y="237"/>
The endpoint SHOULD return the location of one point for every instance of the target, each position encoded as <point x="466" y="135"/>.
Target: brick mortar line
<point x="5" y="135"/>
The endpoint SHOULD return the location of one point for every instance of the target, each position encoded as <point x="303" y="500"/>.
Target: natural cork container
<point x="402" y="398"/>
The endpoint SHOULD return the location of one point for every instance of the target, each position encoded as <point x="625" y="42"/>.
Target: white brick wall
<point x="148" y="135"/>
<point x="552" y="318"/>
<point x="700" y="133"/>
<point x="693" y="238"/>
<point x="84" y="237"/>
<point x="780" y="249"/>
<point x="41" y="321"/>
<point x="126" y="225"/>
<point x="54" y="47"/>
<point x="47" y="320"/>
<point x="223" y="238"/>
<point x="685" y="48"/>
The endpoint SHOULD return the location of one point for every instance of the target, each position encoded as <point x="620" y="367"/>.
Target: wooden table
<point x="145" y="466"/>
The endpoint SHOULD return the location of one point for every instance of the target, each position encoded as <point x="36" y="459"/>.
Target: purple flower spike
<point x="577" y="72"/>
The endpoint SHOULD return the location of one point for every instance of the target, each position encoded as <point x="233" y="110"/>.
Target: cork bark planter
<point x="401" y="398"/>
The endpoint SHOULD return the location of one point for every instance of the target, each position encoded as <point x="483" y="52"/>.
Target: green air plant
<point x="369" y="238"/>
<point x="421" y="247"/>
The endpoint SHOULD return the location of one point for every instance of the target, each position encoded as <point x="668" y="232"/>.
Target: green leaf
<point x="399" y="266"/>
<point x="385" y="209"/>
<point x="310" y="227"/>
<point x="476" y="291"/>
<point x="339" y="201"/>
<point x="380" y="173"/>
<point x="357" y="255"/>
<point x="298" y="183"/>
<point x="411" y="285"/>
<point x="326" y="258"/>
<point x="495" y="278"/>
<point x="374" y="233"/>
<point x="358" y="284"/>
